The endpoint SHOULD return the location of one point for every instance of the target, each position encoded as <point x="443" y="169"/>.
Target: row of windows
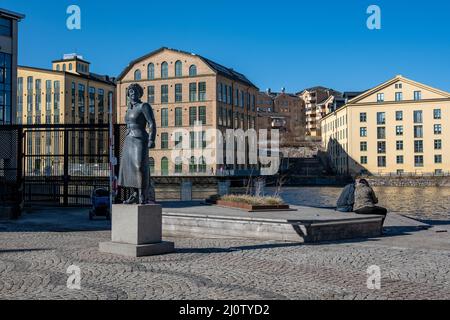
<point x="197" y="140"/>
<point x="241" y="98"/>
<point x="418" y="160"/>
<point x="237" y="120"/>
<point x="196" y="115"/>
<point x="164" y="71"/>
<point x="399" y="96"/>
<point x="197" y="92"/>
<point x="399" y="131"/>
<point x="417" y="115"/>
<point x="399" y="145"/>
<point x="195" y="166"/>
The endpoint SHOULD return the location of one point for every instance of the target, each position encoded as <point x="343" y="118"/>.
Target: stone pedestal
<point x="137" y="231"/>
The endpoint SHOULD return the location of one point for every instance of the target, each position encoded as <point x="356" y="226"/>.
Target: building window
<point x="381" y="146"/>
<point x="193" y="70"/>
<point x="70" y="66"/>
<point x="81" y="102"/>
<point x="164" y="70"/>
<point x="192" y="140"/>
<point x="438" y="158"/>
<point x="418" y="132"/>
<point x="178" y="92"/>
<point x="363" y="159"/>
<point x="363" y="132"/>
<point x="381" y="161"/>
<point x="202" y="165"/>
<point x="152" y="165"/>
<point x="437" y="129"/>
<point x="381" y="118"/>
<point x="192" y="115"/>
<point x="164" y="166"/>
<point x="164" y="93"/>
<point x="164" y="117"/>
<point x="363" y="117"/>
<point x="38" y="95"/>
<point x="437" y="114"/>
<point x="399" y="115"/>
<point x="400" y="160"/>
<point x="418" y="117"/>
<point x="5" y="27"/>
<point x="48" y="96"/>
<point x="398" y="96"/>
<point x="151" y="94"/>
<point x="380" y="97"/>
<point x="202" y="115"/>
<point x="192" y="92"/>
<point x="164" y="140"/>
<point x="193" y="165"/>
<point x="178" y="140"/>
<point x="137" y="75"/>
<point x="381" y="133"/>
<point x="363" y="146"/>
<point x="178" y="69"/>
<point x="151" y="71"/>
<point x="178" y="117"/>
<point x="438" y="172"/>
<point x="399" y="145"/>
<point x="398" y="86"/>
<point x="202" y="91"/>
<point x="418" y="146"/>
<point x="399" y="130"/>
<point x="437" y="144"/>
<point x="417" y="95"/>
<point x="418" y="161"/>
<point x="178" y="165"/>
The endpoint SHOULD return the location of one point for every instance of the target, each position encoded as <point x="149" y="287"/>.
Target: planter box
<point x="249" y="207"/>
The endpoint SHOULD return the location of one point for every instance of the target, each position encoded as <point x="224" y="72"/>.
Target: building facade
<point x="318" y="101"/>
<point x="189" y="95"/>
<point x="66" y="94"/>
<point x="282" y="111"/>
<point x="399" y="127"/>
<point x="8" y="65"/>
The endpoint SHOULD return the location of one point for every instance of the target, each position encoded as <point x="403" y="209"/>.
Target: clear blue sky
<point x="295" y="44"/>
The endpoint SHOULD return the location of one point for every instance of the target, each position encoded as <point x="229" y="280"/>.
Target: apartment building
<point x="68" y="93"/>
<point x="282" y="111"/>
<point x="187" y="91"/>
<point x="399" y="127"/>
<point x="318" y="101"/>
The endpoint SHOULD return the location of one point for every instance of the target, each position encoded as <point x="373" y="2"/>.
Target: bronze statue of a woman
<point x="134" y="169"/>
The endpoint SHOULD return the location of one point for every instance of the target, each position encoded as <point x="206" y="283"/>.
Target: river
<point x="428" y="203"/>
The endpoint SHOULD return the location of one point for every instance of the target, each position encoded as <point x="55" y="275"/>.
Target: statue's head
<point x="135" y="92"/>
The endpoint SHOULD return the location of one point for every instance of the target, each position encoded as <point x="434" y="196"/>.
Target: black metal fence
<point x="53" y="165"/>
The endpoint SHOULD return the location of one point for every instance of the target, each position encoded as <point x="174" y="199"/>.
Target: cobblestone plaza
<point x="36" y="252"/>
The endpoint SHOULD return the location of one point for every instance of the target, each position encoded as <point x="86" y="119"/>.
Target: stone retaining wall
<point x="395" y="181"/>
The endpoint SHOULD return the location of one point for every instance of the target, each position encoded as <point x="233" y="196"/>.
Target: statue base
<point x="137" y="232"/>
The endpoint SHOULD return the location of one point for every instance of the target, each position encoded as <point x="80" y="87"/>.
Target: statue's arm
<point x="150" y="117"/>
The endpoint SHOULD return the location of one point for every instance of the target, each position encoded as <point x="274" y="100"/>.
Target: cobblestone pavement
<point x="34" y="259"/>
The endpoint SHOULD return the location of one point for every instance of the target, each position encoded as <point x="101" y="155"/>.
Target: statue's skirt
<point x="134" y="169"/>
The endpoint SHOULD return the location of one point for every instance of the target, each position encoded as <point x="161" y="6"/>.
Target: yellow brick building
<point x="399" y="127"/>
<point x="185" y="89"/>
<point x="66" y="94"/>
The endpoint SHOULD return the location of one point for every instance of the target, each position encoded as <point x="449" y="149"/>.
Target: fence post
<point x="66" y="169"/>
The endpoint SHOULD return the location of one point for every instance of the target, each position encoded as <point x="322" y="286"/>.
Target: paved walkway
<point x="36" y="252"/>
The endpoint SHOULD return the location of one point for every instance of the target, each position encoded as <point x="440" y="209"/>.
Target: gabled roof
<point x="394" y="80"/>
<point x="218" y="68"/>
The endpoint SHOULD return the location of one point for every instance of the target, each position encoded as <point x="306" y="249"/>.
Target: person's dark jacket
<point x="364" y="197"/>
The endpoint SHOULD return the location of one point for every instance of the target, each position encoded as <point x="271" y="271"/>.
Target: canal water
<point x="428" y="203"/>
